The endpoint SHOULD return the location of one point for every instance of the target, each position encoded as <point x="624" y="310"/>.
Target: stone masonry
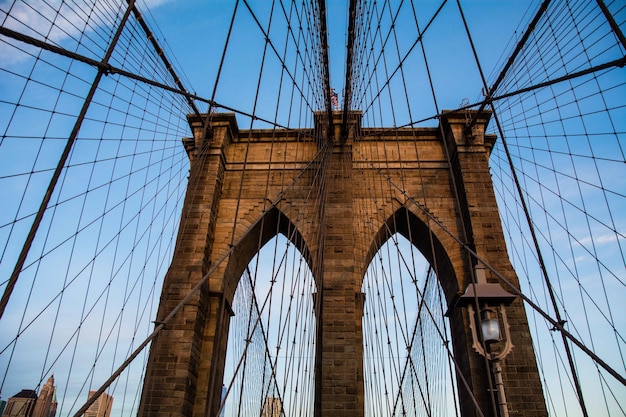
<point x="247" y="186"/>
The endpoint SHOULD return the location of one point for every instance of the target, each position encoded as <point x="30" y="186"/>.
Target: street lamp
<point x="491" y="301"/>
<point x="489" y="326"/>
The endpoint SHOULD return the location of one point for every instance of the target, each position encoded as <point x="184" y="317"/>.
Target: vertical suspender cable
<point x="463" y="240"/>
<point x="62" y="160"/>
<point x="518" y="48"/>
<point x="542" y="265"/>
<point x="348" y="83"/>
<point x="325" y="65"/>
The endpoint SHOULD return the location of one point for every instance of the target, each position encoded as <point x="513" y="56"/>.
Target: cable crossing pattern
<point x="99" y="128"/>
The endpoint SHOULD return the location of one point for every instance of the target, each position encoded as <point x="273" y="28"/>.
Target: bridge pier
<point x="339" y="303"/>
<point x="469" y="150"/>
<point x="338" y="232"/>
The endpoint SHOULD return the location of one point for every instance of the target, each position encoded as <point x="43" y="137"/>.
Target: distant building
<point x="46" y="405"/>
<point x="223" y="412"/>
<point x="21" y="404"/>
<point x="273" y="407"/>
<point x="101" y="407"/>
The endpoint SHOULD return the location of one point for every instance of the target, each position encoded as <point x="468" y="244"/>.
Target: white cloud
<point x="600" y="240"/>
<point x="55" y="21"/>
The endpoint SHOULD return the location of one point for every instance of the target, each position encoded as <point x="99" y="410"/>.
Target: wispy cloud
<point x="601" y="240"/>
<point x="56" y="21"/>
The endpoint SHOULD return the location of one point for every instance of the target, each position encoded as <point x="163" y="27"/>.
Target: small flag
<point x="334" y="98"/>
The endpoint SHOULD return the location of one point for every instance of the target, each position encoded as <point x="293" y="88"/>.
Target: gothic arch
<point x="224" y="206"/>
<point x="427" y="240"/>
<point x="269" y="225"/>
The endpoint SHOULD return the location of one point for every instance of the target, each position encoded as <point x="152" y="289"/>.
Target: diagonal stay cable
<point x="275" y="51"/>
<point x="161" y="324"/>
<point x="325" y="64"/>
<point x="542" y="264"/>
<point x="61" y="163"/>
<point x="160" y="52"/>
<point x="619" y="63"/>
<point x="108" y="69"/>
<point x="518" y="48"/>
<point x="557" y="325"/>
<point x="417" y="41"/>
<point x="349" y="69"/>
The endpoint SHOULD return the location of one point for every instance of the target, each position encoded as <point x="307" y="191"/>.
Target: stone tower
<point x="186" y="365"/>
<point x="46" y="405"/>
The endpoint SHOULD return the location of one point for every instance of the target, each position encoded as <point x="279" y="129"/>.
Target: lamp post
<point x="491" y="301"/>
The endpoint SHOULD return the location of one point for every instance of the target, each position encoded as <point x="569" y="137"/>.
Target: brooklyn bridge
<point x="310" y="208"/>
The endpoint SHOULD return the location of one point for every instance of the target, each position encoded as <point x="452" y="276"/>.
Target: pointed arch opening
<point x="435" y="248"/>
<point x="270" y="354"/>
<point x="406" y="334"/>
<point x="272" y="224"/>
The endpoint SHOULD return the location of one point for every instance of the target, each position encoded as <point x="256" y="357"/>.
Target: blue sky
<point x="193" y="34"/>
<point x="196" y="29"/>
<point x="494" y="26"/>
